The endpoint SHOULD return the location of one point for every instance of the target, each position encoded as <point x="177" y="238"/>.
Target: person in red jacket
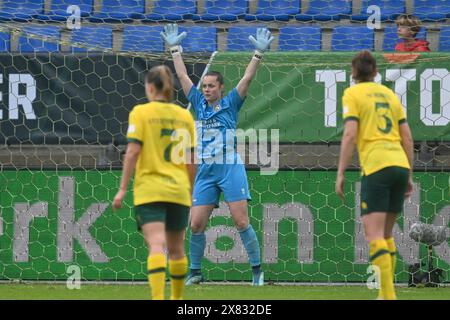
<point x="408" y="26"/>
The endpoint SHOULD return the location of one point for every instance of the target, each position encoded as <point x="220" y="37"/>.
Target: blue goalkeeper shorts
<point x="212" y="179"/>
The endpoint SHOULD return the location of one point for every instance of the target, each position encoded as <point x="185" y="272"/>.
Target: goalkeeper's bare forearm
<point x="250" y="72"/>
<point x="180" y="68"/>
<point x="261" y="44"/>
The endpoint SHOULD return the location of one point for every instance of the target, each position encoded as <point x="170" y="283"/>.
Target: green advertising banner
<point x="50" y="221"/>
<point x="300" y="93"/>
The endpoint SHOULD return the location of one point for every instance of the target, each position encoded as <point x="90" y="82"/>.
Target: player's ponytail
<point x="161" y="77"/>
<point x="364" y="67"/>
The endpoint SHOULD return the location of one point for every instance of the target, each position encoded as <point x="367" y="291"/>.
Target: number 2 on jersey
<point x="382" y="110"/>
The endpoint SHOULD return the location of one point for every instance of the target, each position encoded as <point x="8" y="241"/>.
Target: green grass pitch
<point x="213" y="291"/>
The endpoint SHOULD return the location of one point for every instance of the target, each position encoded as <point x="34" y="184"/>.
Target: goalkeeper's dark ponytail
<point x="364" y="67"/>
<point x="161" y="77"/>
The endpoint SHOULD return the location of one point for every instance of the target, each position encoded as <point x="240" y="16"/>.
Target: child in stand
<point x="408" y="27"/>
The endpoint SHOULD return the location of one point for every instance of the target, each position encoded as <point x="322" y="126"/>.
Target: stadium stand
<point x="200" y="39"/>
<point x="58" y="9"/>
<point x="27" y="44"/>
<point x="21" y="10"/>
<point x="172" y="10"/>
<point x="389" y="9"/>
<point x="114" y="11"/>
<point x="96" y="37"/>
<point x="444" y="40"/>
<point x="432" y="10"/>
<point x="5" y="39"/>
<point x="142" y="38"/>
<point x="320" y="10"/>
<point x="276" y="10"/>
<point x="282" y="16"/>
<point x="356" y="38"/>
<point x="223" y="10"/>
<point x="300" y="39"/>
<point x="238" y="38"/>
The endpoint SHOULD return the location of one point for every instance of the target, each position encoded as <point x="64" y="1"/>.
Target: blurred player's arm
<point x="173" y="40"/>
<point x="408" y="145"/>
<point x="347" y="145"/>
<point x="350" y="114"/>
<point x="191" y="165"/>
<point x="131" y="156"/>
<point x="346" y="154"/>
<point x="261" y="43"/>
<point x="407" y="142"/>
<point x="129" y="164"/>
<point x="404" y="131"/>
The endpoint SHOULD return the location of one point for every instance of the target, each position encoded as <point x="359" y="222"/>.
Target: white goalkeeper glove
<point x="172" y="38"/>
<point x="262" y="42"/>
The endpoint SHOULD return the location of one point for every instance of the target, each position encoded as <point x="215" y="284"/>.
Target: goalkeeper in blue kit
<point x="220" y="168"/>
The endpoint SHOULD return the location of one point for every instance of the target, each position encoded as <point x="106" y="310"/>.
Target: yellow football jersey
<point x="164" y="131"/>
<point x="379" y="113"/>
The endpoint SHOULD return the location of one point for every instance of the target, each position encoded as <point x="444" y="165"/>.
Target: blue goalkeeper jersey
<point x="216" y="127"/>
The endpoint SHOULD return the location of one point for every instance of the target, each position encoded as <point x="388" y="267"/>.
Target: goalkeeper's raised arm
<point x="261" y="43"/>
<point x="173" y="41"/>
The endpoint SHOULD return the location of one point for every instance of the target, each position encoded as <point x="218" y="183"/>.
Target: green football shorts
<point x="384" y="190"/>
<point x="175" y="216"/>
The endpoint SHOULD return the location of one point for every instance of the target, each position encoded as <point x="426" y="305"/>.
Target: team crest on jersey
<point x="217" y="108"/>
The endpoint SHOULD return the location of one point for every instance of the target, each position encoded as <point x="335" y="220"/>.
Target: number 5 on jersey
<point x="383" y="111"/>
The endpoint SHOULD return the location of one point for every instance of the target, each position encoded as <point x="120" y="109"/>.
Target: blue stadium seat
<point x="21" y="10"/>
<point x="300" y="39"/>
<point x="223" y="10"/>
<point x="114" y="11"/>
<point x="199" y="39"/>
<point x="390" y="9"/>
<point x="432" y="10"/>
<point x="345" y="38"/>
<point x="36" y="43"/>
<point x="323" y="10"/>
<point x="172" y="10"/>
<point x="238" y="38"/>
<point x="391" y="37"/>
<point x="5" y="42"/>
<point x="142" y="39"/>
<point x="444" y="39"/>
<point x="92" y="37"/>
<point x="275" y="10"/>
<point x="58" y="9"/>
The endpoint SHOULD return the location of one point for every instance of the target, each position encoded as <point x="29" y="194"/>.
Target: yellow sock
<point x="156" y="266"/>
<point x="393" y="252"/>
<point x="380" y="257"/>
<point x="178" y="270"/>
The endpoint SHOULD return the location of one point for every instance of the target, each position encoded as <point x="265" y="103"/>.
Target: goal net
<point x="73" y="70"/>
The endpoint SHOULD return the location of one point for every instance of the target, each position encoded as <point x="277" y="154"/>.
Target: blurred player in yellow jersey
<point x="374" y="120"/>
<point x="161" y="142"/>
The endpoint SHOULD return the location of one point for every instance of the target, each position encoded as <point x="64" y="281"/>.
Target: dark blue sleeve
<point x="235" y="99"/>
<point x="195" y="97"/>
